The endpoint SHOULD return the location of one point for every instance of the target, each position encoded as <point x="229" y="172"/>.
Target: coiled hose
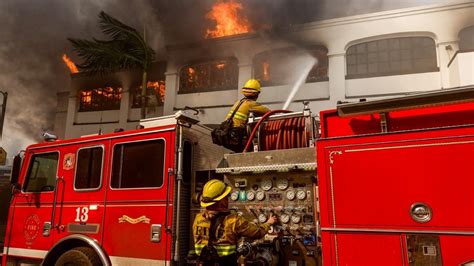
<point x="286" y="133"/>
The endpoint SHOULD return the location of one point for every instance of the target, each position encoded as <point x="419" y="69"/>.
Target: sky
<point x="34" y="38"/>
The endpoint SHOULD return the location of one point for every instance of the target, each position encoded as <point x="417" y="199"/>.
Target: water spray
<point x="301" y="79"/>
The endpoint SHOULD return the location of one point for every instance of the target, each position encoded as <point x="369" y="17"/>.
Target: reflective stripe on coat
<point x="228" y="233"/>
<point x="242" y="114"/>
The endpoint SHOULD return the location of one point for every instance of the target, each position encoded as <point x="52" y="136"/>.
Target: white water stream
<point x="307" y="65"/>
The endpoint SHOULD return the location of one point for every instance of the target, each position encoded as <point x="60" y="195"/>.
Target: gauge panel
<point x="295" y="219"/>
<point x="287" y="195"/>
<point x="301" y="194"/>
<point x="250" y="195"/>
<point x="282" y="183"/>
<point x="234" y="196"/>
<point x="266" y="184"/>
<point x="290" y="194"/>
<point x="284" y="218"/>
<point x="260" y="195"/>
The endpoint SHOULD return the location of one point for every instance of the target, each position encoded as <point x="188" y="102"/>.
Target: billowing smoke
<point x="33" y="35"/>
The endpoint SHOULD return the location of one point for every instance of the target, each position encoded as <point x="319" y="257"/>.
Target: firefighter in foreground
<point x="251" y="91"/>
<point x="217" y="230"/>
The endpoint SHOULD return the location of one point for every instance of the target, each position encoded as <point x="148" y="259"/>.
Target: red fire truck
<point x="396" y="181"/>
<point x="391" y="184"/>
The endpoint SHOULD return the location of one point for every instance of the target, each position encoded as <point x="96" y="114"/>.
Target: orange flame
<point x="220" y="66"/>
<point x="228" y="20"/>
<point x="86" y="97"/>
<point x="266" y="75"/>
<point x="158" y="87"/>
<point x="72" y="67"/>
<point x="191" y="75"/>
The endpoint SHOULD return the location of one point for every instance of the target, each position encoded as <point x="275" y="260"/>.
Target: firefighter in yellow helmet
<point x="251" y="91"/>
<point x="216" y="230"/>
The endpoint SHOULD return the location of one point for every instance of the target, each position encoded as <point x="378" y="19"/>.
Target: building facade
<point x="369" y="56"/>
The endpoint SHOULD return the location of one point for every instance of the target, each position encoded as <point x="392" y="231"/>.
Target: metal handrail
<point x="55" y="197"/>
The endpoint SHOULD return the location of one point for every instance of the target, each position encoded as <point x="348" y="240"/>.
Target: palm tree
<point x="126" y="49"/>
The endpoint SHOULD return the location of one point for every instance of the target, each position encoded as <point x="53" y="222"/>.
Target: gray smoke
<point x="33" y="35"/>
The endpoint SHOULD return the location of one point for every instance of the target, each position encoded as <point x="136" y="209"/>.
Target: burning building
<point x="101" y="104"/>
<point x="372" y="55"/>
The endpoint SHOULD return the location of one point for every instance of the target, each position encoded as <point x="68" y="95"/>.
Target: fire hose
<point x="284" y="134"/>
<point x="280" y="134"/>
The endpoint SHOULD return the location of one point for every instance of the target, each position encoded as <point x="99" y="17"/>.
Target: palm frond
<point x="120" y="32"/>
<point x="126" y="49"/>
<point x="103" y="57"/>
<point x="116" y="29"/>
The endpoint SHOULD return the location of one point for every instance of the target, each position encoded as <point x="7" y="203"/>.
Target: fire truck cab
<point x="113" y="199"/>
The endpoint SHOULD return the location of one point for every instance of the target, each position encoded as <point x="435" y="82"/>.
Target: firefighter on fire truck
<point x="251" y="91"/>
<point x="216" y="230"/>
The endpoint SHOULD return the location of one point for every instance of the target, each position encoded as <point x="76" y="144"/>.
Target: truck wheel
<point x="80" y="256"/>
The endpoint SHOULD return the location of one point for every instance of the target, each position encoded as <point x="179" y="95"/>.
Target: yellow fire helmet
<point x="214" y="190"/>
<point x="252" y="85"/>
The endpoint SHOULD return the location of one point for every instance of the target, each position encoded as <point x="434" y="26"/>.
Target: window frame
<point x="135" y="92"/>
<point x="273" y="53"/>
<point x="137" y="141"/>
<point x="101" y="169"/>
<point x="207" y="61"/>
<point x="23" y="187"/>
<point x="465" y="45"/>
<point x="347" y="76"/>
<point x="81" y="109"/>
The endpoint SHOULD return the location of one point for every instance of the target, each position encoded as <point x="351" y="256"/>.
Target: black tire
<point x="80" y="256"/>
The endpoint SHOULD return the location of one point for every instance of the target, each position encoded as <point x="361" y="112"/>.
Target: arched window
<point x="394" y="56"/>
<point x="466" y="39"/>
<point x="100" y="99"/>
<point x="215" y="75"/>
<point x="280" y="67"/>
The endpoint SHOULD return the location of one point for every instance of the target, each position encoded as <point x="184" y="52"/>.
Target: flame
<point x="72" y="67"/>
<point x="266" y="75"/>
<point x="86" y="97"/>
<point x="107" y="92"/>
<point x="228" y="19"/>
<point x="191" y="75"/>
<point x="158" y="87"/>
<point x="220" y="66"/>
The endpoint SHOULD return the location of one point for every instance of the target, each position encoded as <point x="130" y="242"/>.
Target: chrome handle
<point x="46" y="228"/>
<point x="155" y="233"/>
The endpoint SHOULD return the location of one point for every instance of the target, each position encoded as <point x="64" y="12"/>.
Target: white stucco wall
<point x="461" y="69"/>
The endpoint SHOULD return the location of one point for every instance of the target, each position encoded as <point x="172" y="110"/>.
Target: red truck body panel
<point x="369" y="181"/>
<point x="123" y="238"/>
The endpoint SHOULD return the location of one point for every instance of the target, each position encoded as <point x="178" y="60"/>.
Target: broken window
<point x="319" y="72"/>
<point x="394" y="56"/>
<point x="207" y="76"/>
<point x="284" y="66"/>
<point x="100" y="99"/>
<point x="155" y="91"/>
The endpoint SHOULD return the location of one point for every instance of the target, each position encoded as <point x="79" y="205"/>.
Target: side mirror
<point x="16" y="170"/>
